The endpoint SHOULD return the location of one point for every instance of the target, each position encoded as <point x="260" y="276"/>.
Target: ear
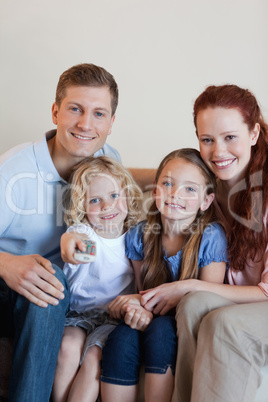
<point x="207" y="202"/>
<point x="55" y="110"/>
<point x="112" y="122"/>
<point x="255" y="134"/>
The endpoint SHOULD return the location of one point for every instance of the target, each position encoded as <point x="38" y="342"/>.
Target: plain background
<point x="162" y="53"/>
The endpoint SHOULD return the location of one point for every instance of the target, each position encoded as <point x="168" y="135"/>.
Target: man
<point x="34" y="292"/>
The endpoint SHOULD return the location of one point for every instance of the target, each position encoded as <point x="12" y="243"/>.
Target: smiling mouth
<point x="223" y="164"/>
<point x="175" y="206"/>
<point x="81" y="137"/>
<point x="108" y="217"/>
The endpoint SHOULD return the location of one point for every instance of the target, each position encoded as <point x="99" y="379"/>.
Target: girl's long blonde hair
<point x="80" y="179"/>
<point x="154" y="271"/>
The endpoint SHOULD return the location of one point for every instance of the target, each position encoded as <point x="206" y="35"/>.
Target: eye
<point x="99" y="114"/>
<point x="190" y="189"/>
<point x="94" y="201"/>
<point x="75" y="109"/>
<point x="230" y="137"/>
<point x="114" y="195"/>
<point x="167" y="184"/>
<point x="205" y="140"/>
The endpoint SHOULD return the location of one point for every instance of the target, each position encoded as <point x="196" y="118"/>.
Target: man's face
<point x="84" y="120"/>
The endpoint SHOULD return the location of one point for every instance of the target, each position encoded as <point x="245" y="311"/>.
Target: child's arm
<point x="115" y="308"/>
<point x="128" y="306"/>
<point x="70" y="241"/>
<point x="214" y="272"/>
<point x="137" y="271"/>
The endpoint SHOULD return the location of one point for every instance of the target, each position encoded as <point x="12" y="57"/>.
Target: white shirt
<point x="96" y="284"/>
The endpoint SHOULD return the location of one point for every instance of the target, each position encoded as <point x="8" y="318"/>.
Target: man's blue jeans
<point x="37" y="339"/>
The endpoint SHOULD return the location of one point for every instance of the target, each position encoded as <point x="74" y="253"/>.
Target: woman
<point x="229" y="322"/>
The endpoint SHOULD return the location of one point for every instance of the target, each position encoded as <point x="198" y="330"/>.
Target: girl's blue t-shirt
<point x="212" y="247"/>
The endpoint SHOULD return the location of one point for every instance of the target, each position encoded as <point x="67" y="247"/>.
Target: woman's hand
<point x="163" y="298"/>
<point x="116" y="307"/>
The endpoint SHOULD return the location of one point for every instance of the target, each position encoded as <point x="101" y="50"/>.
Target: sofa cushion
<point x="5" y="366"/>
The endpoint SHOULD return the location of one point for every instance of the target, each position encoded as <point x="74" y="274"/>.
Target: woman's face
<point x="225" y="142"/>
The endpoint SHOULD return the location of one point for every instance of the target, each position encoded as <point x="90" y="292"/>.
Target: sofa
<point x="5" y="365"/>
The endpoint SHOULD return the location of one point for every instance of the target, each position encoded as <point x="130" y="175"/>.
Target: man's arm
<point x="143" y="177"/>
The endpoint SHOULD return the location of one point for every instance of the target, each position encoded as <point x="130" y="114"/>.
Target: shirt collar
<point x="44" y="162"/>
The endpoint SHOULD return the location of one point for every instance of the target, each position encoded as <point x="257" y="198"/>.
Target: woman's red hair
<point x="244" y="241"/>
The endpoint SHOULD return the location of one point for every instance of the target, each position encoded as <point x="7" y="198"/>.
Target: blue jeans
<point x="126" y="349"/>
<point x="37" y="339"/>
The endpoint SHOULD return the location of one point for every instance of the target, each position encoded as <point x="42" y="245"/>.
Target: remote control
<point x="86" y="256"/>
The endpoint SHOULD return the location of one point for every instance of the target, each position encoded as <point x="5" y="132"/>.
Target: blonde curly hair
<point x="80" y="179"/>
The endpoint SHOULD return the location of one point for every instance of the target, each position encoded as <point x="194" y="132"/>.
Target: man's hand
<point x="33" y="277"/>
<point x="70" y="241"/>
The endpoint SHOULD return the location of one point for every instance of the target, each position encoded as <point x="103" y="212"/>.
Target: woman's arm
<point x="165" y="297"/>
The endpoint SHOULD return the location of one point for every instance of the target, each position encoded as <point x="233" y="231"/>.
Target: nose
<point x="107" y="205"/>
<point x="219" y="149"/>
<point x="175" y="192"/>
<point x="85" y="121"/>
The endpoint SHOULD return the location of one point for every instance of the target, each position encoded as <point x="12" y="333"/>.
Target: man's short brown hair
<point x="87" y="75"/>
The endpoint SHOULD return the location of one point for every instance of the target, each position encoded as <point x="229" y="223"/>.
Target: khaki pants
<point x="222" y="347"/>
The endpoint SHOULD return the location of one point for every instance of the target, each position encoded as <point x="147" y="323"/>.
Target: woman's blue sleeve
<point x="213" y="247"/>
<point x="134" y="242"/>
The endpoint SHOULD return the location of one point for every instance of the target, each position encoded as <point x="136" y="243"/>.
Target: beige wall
<point x="161" y="52"/>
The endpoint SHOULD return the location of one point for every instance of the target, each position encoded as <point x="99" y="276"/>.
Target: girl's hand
<point x="70" y="241"/>
<point x="163" y="298"/>
<point x="116" y="307"/>
<point x="137" y="317"/>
